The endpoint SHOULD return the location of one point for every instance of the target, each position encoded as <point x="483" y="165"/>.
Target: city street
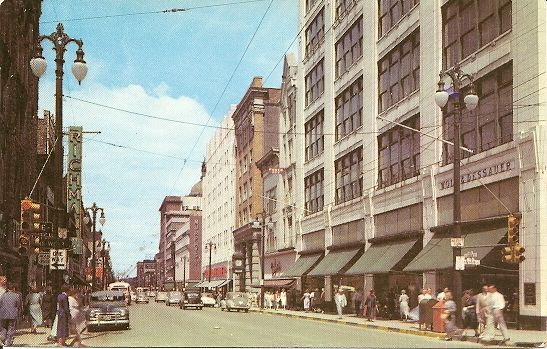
<point x="157" y="325"/>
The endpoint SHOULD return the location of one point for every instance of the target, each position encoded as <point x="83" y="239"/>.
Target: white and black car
<point x="107" y="309"/>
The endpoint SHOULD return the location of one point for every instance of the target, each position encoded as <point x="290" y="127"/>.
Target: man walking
<point x="482" y="308"/>
<point x="10" y="305"/>
<point x="341" y="302"/>
<point x="357" y="301"/>
<point x="496" y="304"/>
<point x="3" y="282"/>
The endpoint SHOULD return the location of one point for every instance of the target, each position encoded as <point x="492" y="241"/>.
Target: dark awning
<point x="437" y="254"/>
<point x="78" y="280"/>
<point x="381" y="258"/>
<point x="303" y="264"/>
<point x="277" y="283"/>
<point x="334" y="262"/>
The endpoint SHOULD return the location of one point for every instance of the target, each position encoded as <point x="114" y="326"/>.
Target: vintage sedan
<point x="191" y="299"/>
<point x="208" y="300"/>
<point x="235" y="301"/>
<point x="161" y="296"/>
<point x="107" y="309"/>
<point x="173" y="297"/>
<point x="141" y="298"/>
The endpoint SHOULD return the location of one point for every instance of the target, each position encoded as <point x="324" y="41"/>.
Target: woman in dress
<point x="34" y="304"/>
<point x="283" y="299"/>
<point x="371" y="305"/>
<point x="469" y="312"/>
<point x="63" y="316"/>
<point x="306" y="297"/>
<point x="449" y="316"/>
<point x="404" y="309"/>
<point x="77" y="317"/>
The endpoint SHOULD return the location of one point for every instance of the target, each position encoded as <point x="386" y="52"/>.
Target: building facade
<point x="256" y="114"/>
<point x="219" y="201"/>
<point x="146" y="273"/>
<point x="377" y="169"/>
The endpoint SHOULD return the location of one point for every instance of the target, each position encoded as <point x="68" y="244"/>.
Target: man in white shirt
<point x="496" y="304"/>
<point x="482" y="308"/>
<point x="440" y="296"/>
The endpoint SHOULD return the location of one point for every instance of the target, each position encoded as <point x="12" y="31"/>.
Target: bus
<point x="124" y="287"/>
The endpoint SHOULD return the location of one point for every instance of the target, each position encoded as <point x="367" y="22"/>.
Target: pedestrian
<point x="371" y="306"/>
<point x="340" y="301"/>
<point x="494" y="316"/>
<point x="10" y="308"/>
<point x="404" y="308"/>
<point x="276" y="300"/>
<point x="312" y="301"/>
<point x="63" y="316"/>
<point x="449" y="316"/>
<point x="306" y="300"/>
<point x="33" y="303"/>
<point x="3" y="286"/>
<point x="322" y="300"/>
<point x="283" y="299"/>
<point x="77" y="317"/>
<point x="47" y="299"/>
<point x="441" y="295"/>
<point x="469" y="313"/>
<point x="318" y="298"/>
<point x="357" y="300"/>
<point x="481" y="308"/>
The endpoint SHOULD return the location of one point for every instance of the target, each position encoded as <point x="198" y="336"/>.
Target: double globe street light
<point x="93" y="219"/>
<point x="450" y="86"/>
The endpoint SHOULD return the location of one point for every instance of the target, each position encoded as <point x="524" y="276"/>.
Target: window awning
<point x="277" y="283"/>
<point x="381" y="258"/>
<point x="224" y="282"/>
<point x="202" y="284"/>
<point x="303" y="264"/>
<point x="437" y="254"/>
<point x="334" y="262"/>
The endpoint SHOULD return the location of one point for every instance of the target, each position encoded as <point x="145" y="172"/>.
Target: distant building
<point x="146" y="273"/>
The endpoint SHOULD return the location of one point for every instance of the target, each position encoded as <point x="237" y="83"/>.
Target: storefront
<point x="277" y="263"/>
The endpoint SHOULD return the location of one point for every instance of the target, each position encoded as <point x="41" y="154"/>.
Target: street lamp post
<point x="173" y="240"/>
<point x="94" y="208"/>
<point x="184" y="273"/>
<point x="105" y="249"/>
<point x="470" y="101"/>
<point x="38" y="64"/>
<point x="210" y="246"/>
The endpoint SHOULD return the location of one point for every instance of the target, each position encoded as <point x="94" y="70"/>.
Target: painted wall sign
<point x="74" y="180"/>
<point x="502" y="167"/>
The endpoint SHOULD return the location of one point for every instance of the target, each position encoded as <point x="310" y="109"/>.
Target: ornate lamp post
<point x="210" y="246"/>
<point x="94" y="208"/>
<point x="105" y="249"/>
<point x="173" y="240"/>
<point x="470" y="102"/>
<point x="38" y="64"/>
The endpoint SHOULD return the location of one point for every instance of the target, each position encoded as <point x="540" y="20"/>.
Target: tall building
<point x="18" y="114"/>
<point x="146" y="273"/>
<point x="219" y="202"/>
<point x="256" y="114"/>
<point x="377" y="168"/>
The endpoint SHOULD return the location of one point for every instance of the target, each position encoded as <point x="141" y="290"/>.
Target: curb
<point x="381" y="327"/>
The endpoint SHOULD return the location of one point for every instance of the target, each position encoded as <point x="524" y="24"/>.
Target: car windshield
<point x="107" y="297"/>
<point x="192" y="294"/>
<point x="174" y="294"/>
<point x="210" y="295"/>
<point x="161" y="294"/>
<point x="236" y="295"/>
<point x="141" y="294"/>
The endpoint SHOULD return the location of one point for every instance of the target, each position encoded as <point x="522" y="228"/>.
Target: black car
<point x="107" y="309"/>
<point x="191" y="299"/>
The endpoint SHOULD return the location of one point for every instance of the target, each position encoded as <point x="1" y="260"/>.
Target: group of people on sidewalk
<point x="66" y="311"/>
<point x="276" y="300"/>
<point x="482" y="313"/>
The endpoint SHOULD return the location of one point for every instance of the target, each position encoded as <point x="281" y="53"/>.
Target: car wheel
<point x="246" y="310"/>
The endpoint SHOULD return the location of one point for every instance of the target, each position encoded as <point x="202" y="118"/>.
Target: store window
<point x="349" y="48"/>
<point x="391" y="11"/>
<point x="399" y="153"/>
<point x="349" y="109"/>
<point x="349" y="176"/>
<point x="314" y="192"/>
<point x="469" y="25"/>
<point x="315" y="83"/>
<point x="399" y="71"/>
<point x="491" y="123"/>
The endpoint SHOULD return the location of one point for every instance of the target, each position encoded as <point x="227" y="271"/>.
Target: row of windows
<point x="399" y="71"/>
<point x="391" y="11"/>
<point x="471" y="24"/>
<point x="315" y="32"/>
<point x="491" y="123"/>
<point x="349" y="109"/>
<point x="350" y="47"/>
<point x="349" y="176"/>
<point x="313" y="192"/>
<point x="315" y="140"/>
<point x="315" y="83"/>
<point x="399" y="153"/>
<point x="342" y="6"/>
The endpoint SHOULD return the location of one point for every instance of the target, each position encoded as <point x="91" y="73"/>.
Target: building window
<point x="399" y="153"/>
<point x="343" y="6"/>
<point x="349" y="109"/>
<point x="313" y="191"/>
<point x="391" y="11"/>
<point x="349" y="48"/>
<point x="491" y="123"/>
<point x="399" y="71"/>
<point x="315" y="32"/>
<point x="315" y="83"/>
<point x="349" y="176"/>
<point x="309" y="4"/>
<point x="469" y="25"/>
<point x="315" y="140"/>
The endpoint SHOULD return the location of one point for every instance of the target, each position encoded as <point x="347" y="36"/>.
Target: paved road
<point x="158" y="325"/>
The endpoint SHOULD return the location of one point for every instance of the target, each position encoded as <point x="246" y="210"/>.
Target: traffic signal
<point x="30" y="216"/>
<point x="23" y="244"/>
<point x="507" y="254"/>
<point x="518" y="253"/>
<point x="512" y="230"/>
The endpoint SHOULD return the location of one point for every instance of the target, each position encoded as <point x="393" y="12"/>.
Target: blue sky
<point x="172" y="65"/>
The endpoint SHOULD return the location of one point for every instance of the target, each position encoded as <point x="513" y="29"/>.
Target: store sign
<point x="502" y="167"/>
<point x="43" y="258"/>
<point x="216" y="272"/>
<point x="74" y="178"/>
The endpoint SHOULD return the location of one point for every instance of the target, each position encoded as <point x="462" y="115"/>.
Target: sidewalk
<point x="519" y="338"/>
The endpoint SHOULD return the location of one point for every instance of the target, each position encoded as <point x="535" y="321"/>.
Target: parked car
<point x="133" y="296"/>
<point x="191" y="299"/>
<point x="161" y="296"/>
<point x="152" y="294"/>
<point x="173" y="297"/>
<point x="208" y="300"/>
<point x="107" y="309"/>
<point x="141" y="298"/>
<point x="236" y="301"/>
